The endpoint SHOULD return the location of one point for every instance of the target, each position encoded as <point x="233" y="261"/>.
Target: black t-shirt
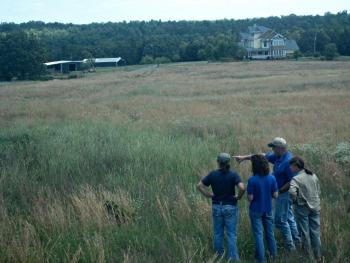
<point x="223" y="185"/>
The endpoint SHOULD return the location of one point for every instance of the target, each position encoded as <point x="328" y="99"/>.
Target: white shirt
<point x="305" y="190"/>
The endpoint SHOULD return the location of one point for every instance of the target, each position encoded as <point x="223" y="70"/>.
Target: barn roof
<point x="106" y="60"/>
<point x="61" y="62"/>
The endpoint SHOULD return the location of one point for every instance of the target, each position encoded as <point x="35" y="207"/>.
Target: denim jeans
<point x="225" y="217"/>
<point x="293" y="225"/>
<point x="285" y="222"/>
<point x="309" y="226"/>
<point x="263" y="222"/>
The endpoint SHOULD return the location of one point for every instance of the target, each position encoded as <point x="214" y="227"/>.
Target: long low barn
<point x="64" y="66"/>
<point x="106" y="62"/>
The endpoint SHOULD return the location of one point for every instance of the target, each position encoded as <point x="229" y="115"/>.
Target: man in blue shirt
<point x="284" y="218"/>
<point x="262" y="187"/>
<point x="224" y="204"/>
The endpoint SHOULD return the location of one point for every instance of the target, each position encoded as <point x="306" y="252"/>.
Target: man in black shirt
<point x="224" y="204"/>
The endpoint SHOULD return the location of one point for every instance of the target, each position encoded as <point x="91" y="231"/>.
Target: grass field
<point x="142" y="137"/>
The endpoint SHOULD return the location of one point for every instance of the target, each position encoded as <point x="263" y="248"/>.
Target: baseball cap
<point x="224" y="158"/>
<point x="278" y="142"/>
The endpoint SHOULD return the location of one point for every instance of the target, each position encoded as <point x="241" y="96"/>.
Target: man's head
<point x="279" y="146"/>
<point x="223" y="160"/>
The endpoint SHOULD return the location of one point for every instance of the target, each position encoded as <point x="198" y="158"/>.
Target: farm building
<point x="107" y="62"/>
<point x="263" y="43"/>
<point x="64" y="66"/>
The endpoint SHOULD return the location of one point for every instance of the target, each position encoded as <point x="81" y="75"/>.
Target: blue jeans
<point x="285" y="222"/>
<point x="225" y="217"/>
<point x="263" y="222"/>
<point x="309" y="226"/>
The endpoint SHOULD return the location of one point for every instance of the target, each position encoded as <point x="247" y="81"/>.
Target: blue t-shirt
<point x="262" y="189"/>
<point x="223" y="185"/>
<point x="281" y="169"/>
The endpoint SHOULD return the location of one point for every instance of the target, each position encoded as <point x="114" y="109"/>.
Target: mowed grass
<point x="142" y="137"/>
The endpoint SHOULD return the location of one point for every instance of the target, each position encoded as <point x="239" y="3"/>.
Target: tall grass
<point x="67" y="148"/>
<point x="55" y="181"/>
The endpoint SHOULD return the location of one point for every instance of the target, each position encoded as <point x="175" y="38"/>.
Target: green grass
<point x="68" y="147"/>
<point x="158" y="170"/>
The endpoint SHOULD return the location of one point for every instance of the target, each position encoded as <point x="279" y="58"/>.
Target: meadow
<point x="142" y="137"/>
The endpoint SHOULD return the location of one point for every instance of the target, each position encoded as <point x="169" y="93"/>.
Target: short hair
<point x="260" y="165"/>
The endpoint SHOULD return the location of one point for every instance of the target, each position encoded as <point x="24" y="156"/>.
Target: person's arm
<point x="241" y="158"/>
<point x="293" y="190"/>
<point x="250" y="190"/>
<point x="241" y="190"/>
<point x="275" y="195"/>
<point x="250" y="198"/>
<point x="290" y="176"/>
<point x="284" y="188"/>
<point x="271" y="157"/>
<point x="204" y="190"/>
<point x="274" y="188"/>
<point x="318" y="188"/>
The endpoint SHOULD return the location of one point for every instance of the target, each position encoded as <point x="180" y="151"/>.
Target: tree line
<point x="159" y="42"/>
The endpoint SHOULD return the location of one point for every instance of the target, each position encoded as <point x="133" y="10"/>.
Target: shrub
<point x="342" y="153"/>
<point x="162" y="60"/>
<point x="331" y="51"/>
<point x="147" y="60"/>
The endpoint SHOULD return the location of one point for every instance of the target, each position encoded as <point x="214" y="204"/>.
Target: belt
<point x="223" y="202"/>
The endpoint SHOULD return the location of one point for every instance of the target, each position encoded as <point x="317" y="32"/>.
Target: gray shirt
<point x="305" y="190"/>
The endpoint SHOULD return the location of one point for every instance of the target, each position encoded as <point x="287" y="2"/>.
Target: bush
<point x="162" y="60"/>
<point x="331" y="51"/>
<point x="147" y="60"/>
<point x="297" y="54"/>
<point x="342" y="153"/>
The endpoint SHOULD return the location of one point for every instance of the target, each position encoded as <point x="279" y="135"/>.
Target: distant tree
<point x="22" y="56"/>
<point x="182" y="40"/>
<point x="297" y="54"/>
<point x="240" y="53"/>
<point x="147" y="60"/>
<point x="331" y="51"/>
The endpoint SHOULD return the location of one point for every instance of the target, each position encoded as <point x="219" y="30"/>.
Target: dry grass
<point x="177" y="118"/>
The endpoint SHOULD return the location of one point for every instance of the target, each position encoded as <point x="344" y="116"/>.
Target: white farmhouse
<point x="263" y="43"/>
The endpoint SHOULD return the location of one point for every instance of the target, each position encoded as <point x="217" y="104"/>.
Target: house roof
<point x="291" y="44"/>
<point x="245" y="35"/>
<point x="257" y="28"/>
<point x="270" y="35"/>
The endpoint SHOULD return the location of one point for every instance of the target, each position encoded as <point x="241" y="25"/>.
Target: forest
<point x="173" y="41"/>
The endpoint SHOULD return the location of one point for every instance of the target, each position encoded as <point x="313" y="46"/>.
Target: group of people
<point x="295" y="211"/>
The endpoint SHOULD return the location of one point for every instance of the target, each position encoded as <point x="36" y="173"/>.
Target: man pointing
<point x="284" y="218"/>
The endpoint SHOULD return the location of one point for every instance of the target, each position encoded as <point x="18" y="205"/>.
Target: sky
<point x="87" y="11"/>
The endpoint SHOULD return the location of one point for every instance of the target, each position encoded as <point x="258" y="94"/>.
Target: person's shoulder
<point x="270" y="177"/>
<point x="288" y="156"/>
<point x="270" y="155"/>
<point x="213" y="172"/>
<point x="235" y="174"/>
<point x="252" y="179"/>
<point x="299" y="176"/>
